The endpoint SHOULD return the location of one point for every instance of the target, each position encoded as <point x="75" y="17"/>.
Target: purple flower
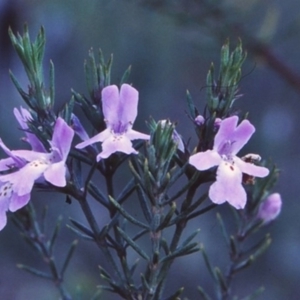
<point x="120" y="111"/>
<point x="15" y="187"/>
<point x="270" y="208"/>
<point x="228" y="141"/>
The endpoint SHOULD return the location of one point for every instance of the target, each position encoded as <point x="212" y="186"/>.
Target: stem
<point x="47" y="254"/>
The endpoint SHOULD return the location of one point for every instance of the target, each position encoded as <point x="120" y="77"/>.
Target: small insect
<point x="250" y="158"/>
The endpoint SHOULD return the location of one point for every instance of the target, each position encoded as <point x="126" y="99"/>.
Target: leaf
<point x="68" y="257"/>
<point x="133" y="244"/>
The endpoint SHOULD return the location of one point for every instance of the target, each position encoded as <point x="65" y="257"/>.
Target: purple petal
<point x="251" y="169"/>
<point x="78" y="128"/>
<point x="135" y="135"/>
<point x="100" y="137"/>
<point x="3" y="217"/>
<point x="62" y="137"/>
<point x="56" y="174"/>
<point x="241" y="136"/>
<point x="7" y="163"/>
<point x="22" y="119"/>
<point x="205" y="160"/>
<point x="30" y="155"/>
<point x="228" y="186"/>
<point x="114" y="144"/>
<point x="16" y="161"/>
<point x="5" y="194"/>
<point x="23" y="179"/>
<point x="129" y="98"/>
<point x="110" y="104"/>
<point x="225" y="131"/>
<point x="17" y="202"/>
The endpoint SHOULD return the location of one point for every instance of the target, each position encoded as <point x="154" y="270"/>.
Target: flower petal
<point x="3" y="217"/>
<point x="116" y="143"/>
<point x="17" y="202"/>
<point x="100" y="137"/>
<point x="251" y="169"/>
<point x="5" y="194"/>
<point x="56" y="174"/>
<point x="23" y="179"/>
<point x="205" y="160"/>
<point x="7" y="163"/>
<point x="30" y="155"/>
<point x="135" y="135"/>
<point x="14" y="160"/>
<point x="110" y="104"/>
<point x="225" y="131"/>
<point x="78" y="128"/>
<point x="62" y="137"/>
<point x="228" y="186"/>
<point x="129" y="98"/>
<point x="241" y="136"/>
<point x="23" y="116"/>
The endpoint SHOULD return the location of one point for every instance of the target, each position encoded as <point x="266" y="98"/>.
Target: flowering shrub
<point x="158" y="161"/>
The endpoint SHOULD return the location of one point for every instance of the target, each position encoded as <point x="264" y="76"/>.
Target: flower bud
<point x="217" y="122"/>
<point x="199" y="120"/>
<point x="270" y="208"/>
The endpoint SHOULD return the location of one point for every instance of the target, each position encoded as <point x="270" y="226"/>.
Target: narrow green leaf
<point x="55" y="233"/>
<point x="221" y="280"/>
<point x="182" y="251"/>
<point x="127" y="191"/>
<point x="255" y="294"/>
<point x="97" y="194"/>
<point x="191" y="106"/>
<point x="243" y="265"/>
<point x="82" y="228"/>
<point x="203" y="294"/>
<point x="24" y="95"/>
<point x="68" y="257"/>
<point x="126" y="75"/>
<point x="127" y="215"/>
<point x="208" y="264"/>
<point x="263" y="247"/>
<point x="165" y="222"/>
<point x="134" y="266"/>
<point x="52" y="84"/>
<point x="224" y="231"/>
<point x="176" y="295"/>
<point x="104" y="272"/>
<point x="133" y="244"/>
<point x="80" y="234"/>
<point x="190" y="238"/>
<point x="144" y="204"/>
<point x="97" y="295"/>
<point x="233" y="247"/>
<point x="35" y="272"/>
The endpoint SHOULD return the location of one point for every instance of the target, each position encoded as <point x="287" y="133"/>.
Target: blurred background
<point x="170" y="45"/>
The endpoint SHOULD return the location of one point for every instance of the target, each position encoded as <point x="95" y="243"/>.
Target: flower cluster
<point x="25" y="167"/>
<point x="170" y="184"/>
